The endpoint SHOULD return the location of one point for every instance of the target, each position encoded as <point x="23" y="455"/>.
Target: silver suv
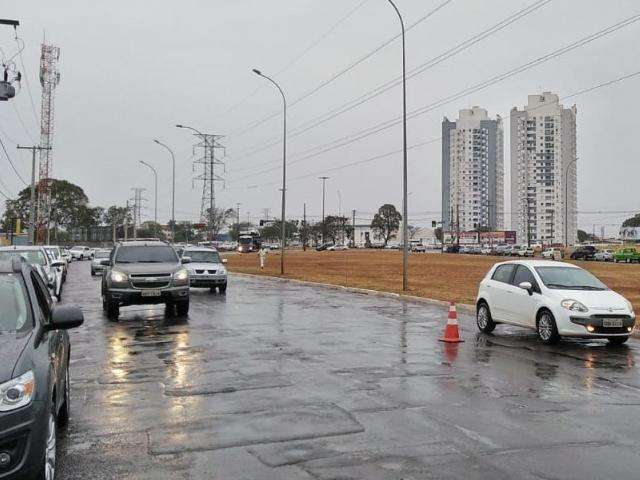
<point x="206" y="268"/>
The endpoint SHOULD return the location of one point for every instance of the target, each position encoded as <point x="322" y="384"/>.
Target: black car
<point x="322" y="247"/>
<point x="587" y="252"/>
<point x="34" y="372"/>
<point x="141" y="272"/>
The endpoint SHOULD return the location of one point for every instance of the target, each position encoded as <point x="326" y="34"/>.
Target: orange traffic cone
<point x="451" y="333"/>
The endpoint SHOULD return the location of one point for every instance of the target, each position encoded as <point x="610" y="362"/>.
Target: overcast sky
<point x="132" y="70"/>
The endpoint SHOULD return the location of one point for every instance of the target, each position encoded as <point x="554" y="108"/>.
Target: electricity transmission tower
<point x="49" y="79"/>
<point x="209" y="145"/>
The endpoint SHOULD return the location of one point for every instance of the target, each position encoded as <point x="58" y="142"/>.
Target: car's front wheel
<point x="65" y="410"/>
<point x="547" y="329"/>
<point x="617" y="340"/>
<point x="182" y="308"/>
<point x="112" y="308"/>
<point x="484" y="320"/>
<point x="222" y="288"/>
<point x="48" y="470"/>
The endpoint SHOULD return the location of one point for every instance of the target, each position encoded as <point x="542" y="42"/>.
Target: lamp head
<point x="180" y="126"/>
<point x="257" y="72"/>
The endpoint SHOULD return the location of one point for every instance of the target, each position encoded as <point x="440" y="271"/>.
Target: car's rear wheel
<point x="617" y="340"/>
<point x="93" y="273"/>
<point x="484" y="320"/>
<point x="547" y="329"/>
<point x="48" y="470"/>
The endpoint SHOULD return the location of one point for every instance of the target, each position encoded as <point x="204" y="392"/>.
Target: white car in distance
<point x="604" y="256"/>
<point x="80" y="252"/>
<point x="556" y="299"/>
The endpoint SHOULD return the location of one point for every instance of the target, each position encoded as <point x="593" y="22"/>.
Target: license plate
<point x="151" y="293"/>
<point x="612" y="322"/>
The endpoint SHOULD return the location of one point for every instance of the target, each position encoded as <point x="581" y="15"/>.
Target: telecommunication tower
<point x="49" y="79"/>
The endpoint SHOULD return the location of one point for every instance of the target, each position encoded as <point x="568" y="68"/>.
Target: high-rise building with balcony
<point x="543" y="171"/>
<point x="472" y="172"/>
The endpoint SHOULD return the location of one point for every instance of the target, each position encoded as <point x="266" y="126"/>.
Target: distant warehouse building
<point x="472" y="171"/>
<point x="543" y="171"/>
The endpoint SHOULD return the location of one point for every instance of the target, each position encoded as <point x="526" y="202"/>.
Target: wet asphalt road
<point x="283" y="381"/>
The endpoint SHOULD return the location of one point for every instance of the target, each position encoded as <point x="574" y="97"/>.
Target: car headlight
<point x="222" y="269"/>
<point x="630" y="306"/>
<point x="18" y="392"/>
<point x="118" y="277"/>
<point x="574" y="306"/>
<point x="181" y="277"/>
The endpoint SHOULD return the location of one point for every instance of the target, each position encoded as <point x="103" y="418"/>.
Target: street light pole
<point x="566" y="201"/>
<point x="155" y="180"/>
<point x="32" y="199"/>
<point x="324" y="181"/>
<point x="405" y="221"/>
<point x="284" y="164"/>
<point x="173" y="191"/>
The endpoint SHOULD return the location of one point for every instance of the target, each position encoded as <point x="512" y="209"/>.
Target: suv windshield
<point x="13" y="305"/>
<point x="569" y="278"/>
<point x="34" y="257"/>
<point x="201" y="256"/>
<point x="146" y="254"/>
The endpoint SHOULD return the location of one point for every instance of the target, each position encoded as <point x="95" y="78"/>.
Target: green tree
<point x="151" y="230"/>
<point x="335" y="228"/>
<point x="220" y="219"/>
<point x="274" y="230"/>
<point x="235" y="229"/>
<point x="386" y="222"/>
<point x="585" y="237"/>
<point x="633" y="221"/>
<point x="116" y="216"/>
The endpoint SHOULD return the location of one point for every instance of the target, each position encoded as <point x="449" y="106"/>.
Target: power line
<point x="339" y="74"/>
<point x="13" y="104"/>
<point x="354" y="137"/>
<point x="11" y="162"/>
<point x="433" y="140"/>
<point x="428" y="64"/>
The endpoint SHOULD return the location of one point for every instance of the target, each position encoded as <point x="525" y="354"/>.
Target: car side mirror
<point x="64" y="317"/>
<point x="526" y="286"/>
<point x="224" y="260"/>
<point x="185" y="260"/>
<point x="106" y="262"/>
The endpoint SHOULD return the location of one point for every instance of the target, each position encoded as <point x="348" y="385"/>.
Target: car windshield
<point x="146" y="254"/>
<point x="34" y="257"/>
<point x="13" y="304"/>
<point x="569" y="278"/>
<point x="53" y="253"/>
<point x="201" y="256"/>
<point x="102" y="254"/>
<point x="246" y="240"/>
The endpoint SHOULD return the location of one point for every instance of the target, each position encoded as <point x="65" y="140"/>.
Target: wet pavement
<point x="283" y="381"/>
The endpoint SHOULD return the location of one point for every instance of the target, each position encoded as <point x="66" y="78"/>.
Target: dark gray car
<point x="141" y="272"/>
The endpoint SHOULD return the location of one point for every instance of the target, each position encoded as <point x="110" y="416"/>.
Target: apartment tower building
<point x="472" y="172"/>
<point x="543" y="171"/>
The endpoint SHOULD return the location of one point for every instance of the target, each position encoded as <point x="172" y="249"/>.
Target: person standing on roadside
<point x="263" y="256"/>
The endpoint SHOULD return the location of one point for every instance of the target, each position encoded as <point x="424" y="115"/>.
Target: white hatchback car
<point x="556" y="299"/>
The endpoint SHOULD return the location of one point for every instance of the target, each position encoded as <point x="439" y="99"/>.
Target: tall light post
<point x="155" y="188"/>
<point x="324" y="181"/>
<point x="173" y="191"/>
<point x="339" y="202"/>
<point x="284" y="164"/>
<point x="405" y="220"/>
<point x="566" y="201"/>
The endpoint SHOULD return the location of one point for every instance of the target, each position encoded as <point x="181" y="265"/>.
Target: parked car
<point x="337" y="247"/>
<point x="556" y="299"/>
<point x="323" y="246"/>
<point x="451" y="249"/>
<point x="604" y="256"/>
<point x="627" y="255"/>
<point x="586" y="252"/>
<point x="34" y="371"/>
<point x="143" y="272"/>
<point x="50" y="270"/>
<point x="80" y="252"/>
<point x="96" y="261"/>
<point x="552" y="254"/>
<point x="66" y="256"/>
<point x="525" y="251"/>
<point x="418" y="248"/>
<point x="502" y="250"/>
<point x="486" y="250"/>
<point x="206" y="268"/>
<point x="55" y="254"/>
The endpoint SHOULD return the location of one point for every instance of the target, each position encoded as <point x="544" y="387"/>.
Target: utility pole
<point x="126" y="223"/>
<point x="458" y="224"/>
<point x="353" y="229"/>
<point x="238" y="221"/>
<point x="324" y="181"/>
<point x="32" y="200"/>
<point x="304" y="227"/>
<point x="137" y="209"/>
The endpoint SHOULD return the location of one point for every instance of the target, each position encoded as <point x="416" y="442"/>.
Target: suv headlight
<point x="118" y="277"/>
<point x="18" y="392"/>
<point x="574" y="306"/>
<point x="181" y="277"/>
<point x="222" y="269"/>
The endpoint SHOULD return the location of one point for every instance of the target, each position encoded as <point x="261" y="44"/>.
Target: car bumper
<point x="22" y="435"/>
<point x="98" y="268"/>
<point x="207" y="281"/>
<point x="572" y="325"/>
<point x="132" y="296"/>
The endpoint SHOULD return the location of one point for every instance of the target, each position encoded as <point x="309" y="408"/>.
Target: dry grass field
<point x="439" y="276"/>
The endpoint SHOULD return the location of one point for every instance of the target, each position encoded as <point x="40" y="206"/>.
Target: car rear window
<point x="13" y="304"/>
<point x="34" y="257"/>
<point x="146" y="254"/>
<point x="503" y="273"/>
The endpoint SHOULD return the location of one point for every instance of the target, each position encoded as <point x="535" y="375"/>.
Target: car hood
<point x="203" y="266"/>
<point x="13" y="344"/>
<point x="598" y="302"/>
<point x="147" y="268"/>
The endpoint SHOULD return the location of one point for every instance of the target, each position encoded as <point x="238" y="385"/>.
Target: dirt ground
<point x="439" y="276"/>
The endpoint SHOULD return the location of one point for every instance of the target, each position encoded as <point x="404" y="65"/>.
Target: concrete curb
<point x="463" y="307"/>
<point x="466" y="308"/>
